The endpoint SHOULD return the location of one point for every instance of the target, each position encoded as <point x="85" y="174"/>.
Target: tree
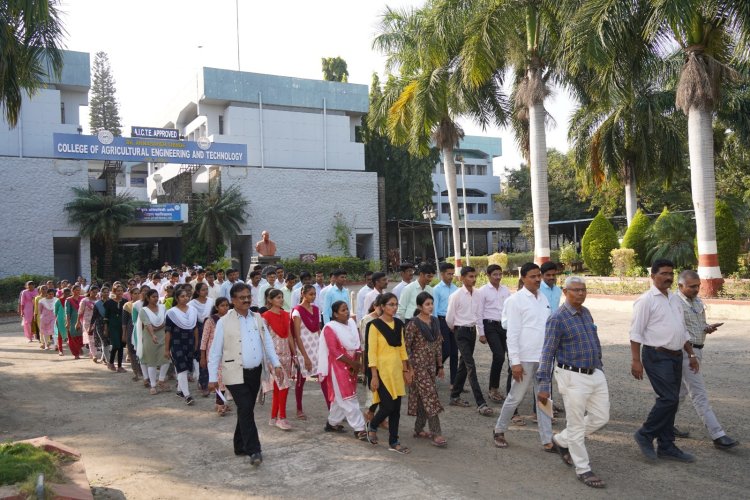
<point x="672" y="238"/>
<point x="218" y="218"/>
<point x="520" y="35"/>
<point x="408" y="177"/>
<point x="727" y="238"/>
<point x="597" y="243"/>
<point x="636" y="237"/>
<point x="334" y="69"/>
<point x="421" y="106"/>
<point x="104" y="111"/>
<point x="100" y="218"/>
<point x="31" y="34"/>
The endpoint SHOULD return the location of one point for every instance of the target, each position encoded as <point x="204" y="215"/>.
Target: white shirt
<point x="462" y="308"/>
<point x="214" y="291"/>
<point x="397" y="289"/>
<point x="491" y="303"/>
<point x="369" y="299"/>
<point x="296" y="292"/>
<point x="659" y="321"/>
<point x="361" y="294"/>
<point x="252" y="349"/>
<point x="525" y="317"/>
<point x="227" y="286"/>
<point x="279" y="284"/>
<point x="254" y="295"/>
<point x="159" y="287"/>
<point x="319" y="296"/>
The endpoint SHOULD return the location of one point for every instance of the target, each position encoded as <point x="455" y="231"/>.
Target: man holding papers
<point x="571" y="341"/>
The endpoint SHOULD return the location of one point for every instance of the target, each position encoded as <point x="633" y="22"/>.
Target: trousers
<point x="246" y="439"/>
<point x="497" y="340"/>
<point x="466" y="339"/>
<point x="694" y="385"/>
<point x="665" y="374"/>
<point x="515" y="396"/>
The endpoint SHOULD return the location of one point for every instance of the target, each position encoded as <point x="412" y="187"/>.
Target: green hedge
<point x="727" y="238"/>
<point x="636" y="237"/>
<point x="354" y="267"/>
<point x="515" y="260"/>
<point x="10" y="287"/>
<point x="598" y="241"/>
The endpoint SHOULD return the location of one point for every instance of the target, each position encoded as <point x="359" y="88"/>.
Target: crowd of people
<point x="238" y="341"/>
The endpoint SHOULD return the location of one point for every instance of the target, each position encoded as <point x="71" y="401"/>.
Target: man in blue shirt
<point x="441" y="293"/>
<point x="571" y="340"/>
<point x="335" y="293"/>
<point x="549" y="285"/>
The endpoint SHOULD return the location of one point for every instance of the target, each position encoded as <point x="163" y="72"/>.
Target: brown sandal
<point x="439" y="441"/>
<point x="590" y="479"/>
<point x="499" y="439"/>
<point x="422" y="435"/>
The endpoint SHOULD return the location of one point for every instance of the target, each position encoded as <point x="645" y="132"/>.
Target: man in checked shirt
<point x="571" y="340"/>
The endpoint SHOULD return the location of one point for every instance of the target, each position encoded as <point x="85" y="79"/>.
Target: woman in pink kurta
<point x="47" y="318"/>
<point x="338" y="364"/>
<point x="219" y="309"/>
<point x="26" y="310"/>
<point x="85" y="312"/>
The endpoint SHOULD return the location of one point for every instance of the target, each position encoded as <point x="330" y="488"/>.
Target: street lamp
<point x="429" y="213"/>
<point x="460" y="160"/>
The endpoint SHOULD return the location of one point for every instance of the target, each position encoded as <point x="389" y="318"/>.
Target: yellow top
<point x="388" y="360"/>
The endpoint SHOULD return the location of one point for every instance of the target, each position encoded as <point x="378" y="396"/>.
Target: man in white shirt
<point x="525" y="314"/>
<point x="658" y="325"/>
<point x="199" y="278"/>
<point x="254" y="284"/>
<point x="305" y="278"/>
<point x="280" y="282"/>
<point x="379" y="282"/>
<point x="462" y="318"/>
<point x="361" y="294"/>
<point x="492" y="297"/>
<point x="214" y="289"/>
<point x="408" y="300"/>
<point x="407" y="273"/>
<point x="270" y="272"/>
<point x="156" y="284"/>
<point x="233" y="277"/>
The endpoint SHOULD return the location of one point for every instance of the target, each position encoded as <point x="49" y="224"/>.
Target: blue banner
<point x="155" y="133"/>
<point x="163" y="212"/>
<point x="105" y="147"/>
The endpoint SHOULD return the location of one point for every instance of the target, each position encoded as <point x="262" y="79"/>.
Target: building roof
<point x="492" y="224"/>
<point x="492" y="146"/>
<point x="76" y="72"/>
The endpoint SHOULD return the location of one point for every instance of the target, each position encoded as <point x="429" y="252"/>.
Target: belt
<point x="439" y="316"/>
<point x="585" y="371"/>
<point x="668" y="351"/>
<point x="697" y="346"/>
<point x="472" y="327"/>
<point x="252" y="369"/>
<point x="491" y="321"/>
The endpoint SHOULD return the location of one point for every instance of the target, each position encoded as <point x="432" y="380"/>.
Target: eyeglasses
<point x="576" y="290"/>
<point x="244" y="298"/>
<point x="392" y="304"/>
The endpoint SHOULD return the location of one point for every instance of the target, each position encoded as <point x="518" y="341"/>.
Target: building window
<point x="445" y="208"/>
<point x="481" y="169"/>
<point x="62" y="112"/>
<point x="471" y="208"/>
<point x="482" y="208"/>
<point x="221" y="124"/>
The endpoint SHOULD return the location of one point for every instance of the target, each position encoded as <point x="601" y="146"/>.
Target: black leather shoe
<point x="725" y="442"/>
<point x="240" y="453"/>
<point x="646" y="445"/>
<point x="256" y="459"/>
<point x="676" y="454"/>
<point x="680" y="433"/>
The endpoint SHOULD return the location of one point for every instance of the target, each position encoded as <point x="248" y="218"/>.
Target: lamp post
<point x="429" y="213"/>
<point x="460" y="159"/>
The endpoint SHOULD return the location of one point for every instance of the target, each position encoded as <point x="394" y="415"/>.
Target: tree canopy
<point x="104" y="111"/>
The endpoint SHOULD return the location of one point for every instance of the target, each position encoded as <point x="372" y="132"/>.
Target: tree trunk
<point x="450" y="182"/>
<point x="538" y="172"/>
<point x="108" y="252"/>
<point x="703" y="184"/>
<point x="631" y="197"/>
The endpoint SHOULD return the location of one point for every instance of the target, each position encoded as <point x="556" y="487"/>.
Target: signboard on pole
<point x="163" y="212"/>
<point x="104" y="146"/>
<point x="155" y="133"/>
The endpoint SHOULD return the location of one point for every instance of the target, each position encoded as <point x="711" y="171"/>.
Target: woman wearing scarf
<point x="202" y="305"/>
<point x="26" y="310"/>
<point x="72" y="325"/>
<point x="37" y="320"/>
<point x="61" y="332"/>
<point x="306" y="326"/>
<point x="128" y="329"/>
<point x="279" y="326"/>
<point x="151" y="337"/>
<point x="47" y="317"/>
<point x="135" y="340"/>
<point x="101" y="341"/>
<point x="338" y="363"/>
<point x="387" y="358"/>
<point x="376" y="309"/>
<point x="85" y="314"/>
<point x="182" y="340"/>
<point x="424" y="347"/>
<point x="113" y="312"/>
<point x="220" y="308"/>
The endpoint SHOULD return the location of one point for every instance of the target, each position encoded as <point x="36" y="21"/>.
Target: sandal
<point x="334" y="428"/>
<point x="398" y="448"/>
<point x="485" y="411"/>
<point x="439" y="441"/>
<point x="301" y="415"/>
<point x="153" y="391"/>
<point x="459" y="402"/>
<point x="422" y="435"/>
<point x="564" y="453"/>
<point x="590" y="479"/>
<point x="499" y="439"/>
<point x="372" y="436"/>
<point x="518" y="420"/>
<point x="146" y="383"/>
<point x="361" y="435"/>
<point x="496" y="396"/>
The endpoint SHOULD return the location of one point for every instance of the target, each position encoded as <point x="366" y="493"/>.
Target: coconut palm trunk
<point x="703" y="185"/>
<point x="107" y="270"/>
<point x="631" y="197"/>
<point x="450" y="182"/>
<point x="538" y="171"/>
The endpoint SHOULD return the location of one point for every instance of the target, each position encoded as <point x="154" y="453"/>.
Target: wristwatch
<point x="692" y="356"/>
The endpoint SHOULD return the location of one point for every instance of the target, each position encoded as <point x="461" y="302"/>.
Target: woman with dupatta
<point x="306" y="328"/>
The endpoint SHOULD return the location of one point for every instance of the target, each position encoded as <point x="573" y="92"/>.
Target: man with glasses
<point x="571" y="340"/>
<point x="243" y="347"/>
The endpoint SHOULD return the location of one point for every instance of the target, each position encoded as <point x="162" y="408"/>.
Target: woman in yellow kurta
<point x="389" y="363"/>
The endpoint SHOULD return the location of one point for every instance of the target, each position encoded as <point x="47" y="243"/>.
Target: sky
<point x="156" y="47"/>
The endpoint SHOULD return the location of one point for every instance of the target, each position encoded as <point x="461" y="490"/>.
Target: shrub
<point x="623" y="261"/>
<point x="353" y="266"/>
<point x="636" y="237"/>
<point x="478" y="262"/>
<point x="727" y="238"/>
<point x="501" y="259"/>
<point x="569" y="255"/>
<point x="10" y="287"/>
<point x="20" y="461"/>
<point x="672" y="238"/>
<point x="598" y="241"/>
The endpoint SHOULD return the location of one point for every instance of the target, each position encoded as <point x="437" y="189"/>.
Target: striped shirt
<point x="695" y="318"/>
<point x="570" y="338"/>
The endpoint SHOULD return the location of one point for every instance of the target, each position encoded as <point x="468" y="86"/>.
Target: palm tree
<point x="219" y="217"/>
<point x="421" y="106"/>
<point x="30" y="38"/>
<point x="99" y="217"/>
<point x="520" y="35"/>
<point x="627" y="127"/>
<point x="671" y="237"/>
